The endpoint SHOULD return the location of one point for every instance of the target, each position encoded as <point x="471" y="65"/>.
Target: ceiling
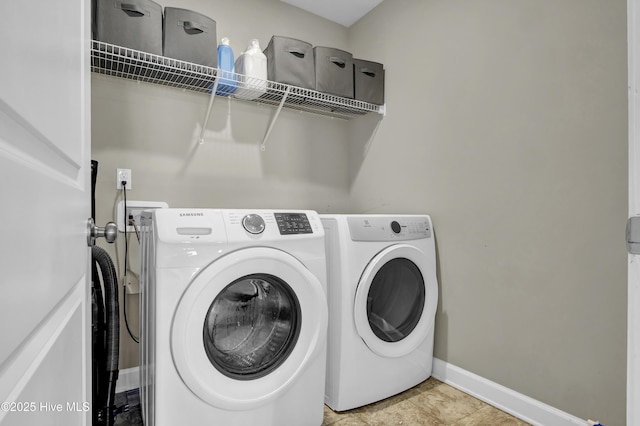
<point x="344" y="12"/>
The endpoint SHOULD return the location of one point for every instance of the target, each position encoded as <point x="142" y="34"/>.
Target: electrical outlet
<point x="123" y="175"/>
<point x="135" y="209"/>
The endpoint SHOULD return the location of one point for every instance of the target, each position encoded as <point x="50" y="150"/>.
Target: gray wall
<point x="506" y="122"/>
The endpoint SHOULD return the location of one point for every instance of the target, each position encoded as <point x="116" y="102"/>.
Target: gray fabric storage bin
<point x="334" y="71"/>
<point x="136" y="24"/>
<point x="368" y="81"/>
<point x="190" y="36"/>
<point x="290" y="61"/>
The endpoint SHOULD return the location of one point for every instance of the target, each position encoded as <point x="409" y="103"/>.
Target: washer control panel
<point x="263" y="225"/>
<point x="388" y="228"/>
<point x="293" y="223"/>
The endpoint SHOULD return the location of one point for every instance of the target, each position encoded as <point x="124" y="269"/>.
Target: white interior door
<point x="633" y="327"/>
<point x="45" y="192"/>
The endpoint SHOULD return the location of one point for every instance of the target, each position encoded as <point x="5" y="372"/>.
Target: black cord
<point x="126" y="258"/>
<point x="124" y="218"/>
<point x="133" y="223"/>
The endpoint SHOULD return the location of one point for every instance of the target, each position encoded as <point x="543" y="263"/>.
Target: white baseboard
<point x="128" y="379"/>
<point x="518" y="405"/>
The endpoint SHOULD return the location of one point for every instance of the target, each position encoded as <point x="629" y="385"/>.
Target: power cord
<point x="132" y="222"/>
<point x="126" y="258"/>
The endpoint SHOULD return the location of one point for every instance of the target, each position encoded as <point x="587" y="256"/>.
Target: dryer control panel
<point x="388" y="228"/>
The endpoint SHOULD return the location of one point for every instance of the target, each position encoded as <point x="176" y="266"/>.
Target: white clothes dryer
<point x="383" y="293"/>
<point x="234" y="318"/>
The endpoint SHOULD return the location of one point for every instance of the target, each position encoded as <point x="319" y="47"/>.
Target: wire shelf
<point x="123" y="62"/>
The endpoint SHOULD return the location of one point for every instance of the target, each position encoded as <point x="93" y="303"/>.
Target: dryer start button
<point x="253" y="223"/>
<point x="395" y="227"/>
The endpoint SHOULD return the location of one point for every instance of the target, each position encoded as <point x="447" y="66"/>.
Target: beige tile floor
<point x="431" y="403"/>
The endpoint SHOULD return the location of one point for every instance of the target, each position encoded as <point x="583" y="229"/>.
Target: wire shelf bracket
<point x="212" y="98"/>
<point x="263" y="146"/>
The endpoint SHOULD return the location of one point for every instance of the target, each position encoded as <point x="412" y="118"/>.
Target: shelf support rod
<point x="273" y="120"/>
<point x="214" y="89"/>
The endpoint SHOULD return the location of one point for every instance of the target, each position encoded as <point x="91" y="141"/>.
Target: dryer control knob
<point x="395" y="227"/>
<point x="253" y="223"/>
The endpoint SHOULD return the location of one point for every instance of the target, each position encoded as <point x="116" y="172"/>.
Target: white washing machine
<point x="382" y="292"/>
<point x="234" y="318"/>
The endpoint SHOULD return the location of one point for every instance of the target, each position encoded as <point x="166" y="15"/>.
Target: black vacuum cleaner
<point x="105" y="328"/>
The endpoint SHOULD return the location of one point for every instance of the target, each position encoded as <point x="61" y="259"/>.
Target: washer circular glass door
<point x="247" y="326"/>
<point x="395" y="301"/>
<point x="252" y="326"/>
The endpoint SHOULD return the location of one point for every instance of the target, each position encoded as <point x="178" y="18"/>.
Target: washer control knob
<point x="395" y="227"/>
<point x="253" y="223"/>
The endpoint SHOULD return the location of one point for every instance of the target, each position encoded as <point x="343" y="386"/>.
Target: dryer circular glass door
<point x="247" y="326"/>
<point x="395" y="301"/>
